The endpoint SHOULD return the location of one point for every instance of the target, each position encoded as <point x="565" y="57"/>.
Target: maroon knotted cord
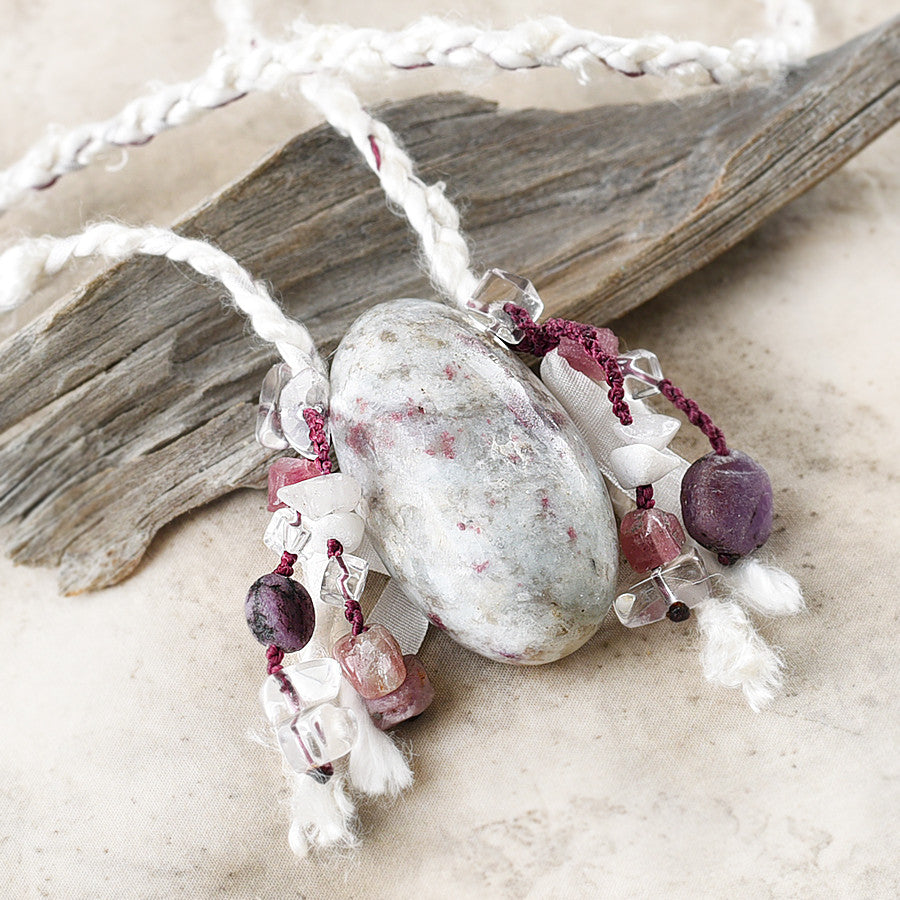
<point x="643" y="495"/>
<point x="316" y="422"/>
<point x="286" y="566"/>
<point x="274" y="658"/>
<point x="539" y="340"/>
<point x="695" y="415"/>
<point x="352" y="610"/>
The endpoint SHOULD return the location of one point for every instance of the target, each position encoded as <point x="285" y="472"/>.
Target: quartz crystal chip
<point x="317" y="497"/>
<point x="371" y="662"/>
<point x="648" y="428"/>
<point x="269" y="431"/>
<point x="317" y="736"/>
<point x="495" y="289"/>
<point x="650" y="538"/>
<point x="638" y="464"/>
<point x="301" y="686"/>
<point x="345" y="579"/>
<point x="346" y="527"/>
<point x="286" y="533"/>
<point x="289" y="470"/>
<point x="307" y="389"/>
<point x="414" y="696"/>
<point x="642" y="373"/>
<point x="681" y="584"/>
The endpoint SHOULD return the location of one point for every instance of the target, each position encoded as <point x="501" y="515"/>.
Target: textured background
<point x="124" y="764"/>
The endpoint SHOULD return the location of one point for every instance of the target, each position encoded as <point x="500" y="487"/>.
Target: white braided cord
<point x="432" y="216"/>
<point x="24" y="265"/>
<point x="364" y="54"/>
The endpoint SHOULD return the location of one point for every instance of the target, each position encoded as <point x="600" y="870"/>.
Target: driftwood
<point x="132" y="402"/>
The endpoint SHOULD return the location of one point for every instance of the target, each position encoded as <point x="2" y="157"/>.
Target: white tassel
<point x="322" y="815"/>
<point x="377" y="766"/>
<point x="764" y="589"/>
<point x="734" y="655"/>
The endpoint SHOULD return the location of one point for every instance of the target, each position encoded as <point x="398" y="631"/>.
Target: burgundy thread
<point x="286" y="566"/>
<point x="539" y="340"/>
<point x="274" y="658"/>
<point x="316" y="422"/>
<point x="375" y="152"/>
<point x="695" y="415"/>
<point x="644" y="496"/>
<point x="352" y="610"/>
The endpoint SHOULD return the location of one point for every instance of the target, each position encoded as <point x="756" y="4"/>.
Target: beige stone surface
<point x="125" y="768"/>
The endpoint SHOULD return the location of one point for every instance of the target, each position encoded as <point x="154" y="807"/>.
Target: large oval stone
<point x="482" y="497"/>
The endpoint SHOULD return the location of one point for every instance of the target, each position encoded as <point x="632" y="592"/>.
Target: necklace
<point x="531" y="607"/>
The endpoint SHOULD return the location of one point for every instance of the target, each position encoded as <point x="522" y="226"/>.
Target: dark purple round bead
<point x="726" y="504"/>
<point x="280" y="611"/>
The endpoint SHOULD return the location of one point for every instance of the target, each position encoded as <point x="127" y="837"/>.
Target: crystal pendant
<point x="495" y="289"/>
<point x="317" y="736"/>
<point x="301" y="686"/>
<point x="669" y="592"/>
<point x="345" y="579"/>
<point x="286" y="533"/>
<point x="642" y="373"/>
<point x="268" y="418"/>
<point x="307" y="389"/>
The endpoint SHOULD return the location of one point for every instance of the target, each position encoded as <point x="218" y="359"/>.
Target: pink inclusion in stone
<point x="372" y="662"/>
<point x="414" y="696"/>
<point x="650" y="538"/>
<point x="289" y="470"/>
<point x="581" y="361"/>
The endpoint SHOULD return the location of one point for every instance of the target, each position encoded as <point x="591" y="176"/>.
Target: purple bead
<point x="411" y="698"/>
<point x="280" y="611"/>
<point x="726" y="504"/>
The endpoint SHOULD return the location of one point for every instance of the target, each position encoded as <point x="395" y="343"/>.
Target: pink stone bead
<point x="579" y="359"/>
<point x="650" y="538"/>
<point x="289" y="470"/>
<point x="414" y="696"/>
<point x="372" y="662"/>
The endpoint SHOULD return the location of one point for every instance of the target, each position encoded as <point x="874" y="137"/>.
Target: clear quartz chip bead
<point x="301" y="686"/>
<point x="345" y="579"/>
<point x="642" y="373"/>
<point x="683" y="581"/>
<point x="286" y="532"/>
<point x="306" y="389"/>
<point x="317" y="736"/>
<point x="495" y="289"/>
<point x="269" y="432"/>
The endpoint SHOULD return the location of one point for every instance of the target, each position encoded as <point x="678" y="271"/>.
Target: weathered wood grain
<point x="131" y="402"/>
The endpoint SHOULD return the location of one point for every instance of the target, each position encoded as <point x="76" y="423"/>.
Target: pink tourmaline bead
<point x="372" y="662"/>
<point x="289" y="470"/>
<point x="579" y="359"/>
<point x="411" y="698"/>
<point x="650" y="538"/>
